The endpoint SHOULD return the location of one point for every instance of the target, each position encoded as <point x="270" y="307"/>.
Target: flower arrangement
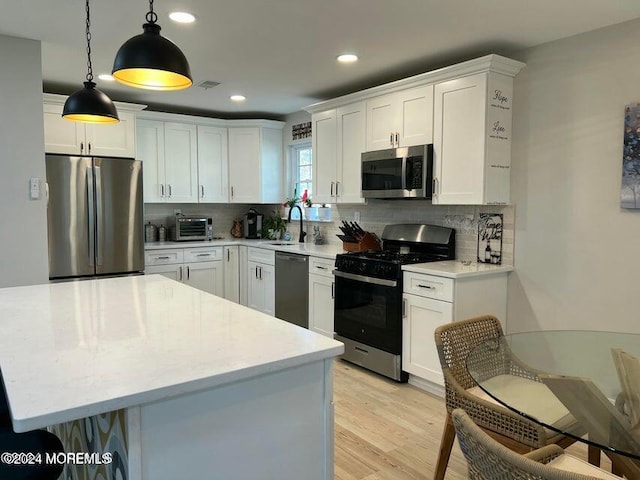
<point x="291" y="201"/>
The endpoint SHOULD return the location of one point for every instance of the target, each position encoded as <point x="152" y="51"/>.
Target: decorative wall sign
<point x="490" y="238"/>
<point x="630" y="191"/>
<point x="301" y="130"/>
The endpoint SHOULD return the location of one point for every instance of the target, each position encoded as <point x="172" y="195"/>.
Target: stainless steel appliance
<point x="368" y="294"/>
<point x="398" y="173"/>
<point x="292" y="288"/>
<point x="185" y="228"/>
<point x="94" y="216"/>
<point x="253" y="224"/>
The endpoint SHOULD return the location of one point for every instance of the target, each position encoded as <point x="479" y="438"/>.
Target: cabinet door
<point x="113" y="140"/>
<point x="421" y="317"/>
<point x="458" y="143"/>
<point x="261" y="287"/>
<point x="321" y="304"/>
<point x="416" y="116"/>
<point x="206" y="276"/>
<point x="173" y="272"/>
<point x="351" y="143"/>
<point x="213" y="166"/>
<point x="231" y="274"/>
<point x="382" y="122"/>
<point x="181" y="163"/>
<point x="150" y="149"/>
<point x="244" y="164"/>
<point x="243" y="268"/>
<point x="324" y="156"/>
<point x="268" y="278"/>
<point x="60" y="135"/>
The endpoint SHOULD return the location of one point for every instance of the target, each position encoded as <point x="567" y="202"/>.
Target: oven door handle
<point x="362" y="278"/>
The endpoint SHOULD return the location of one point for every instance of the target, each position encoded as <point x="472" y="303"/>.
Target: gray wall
<point x="576" y="250"/>
<point x="24" y="224"/>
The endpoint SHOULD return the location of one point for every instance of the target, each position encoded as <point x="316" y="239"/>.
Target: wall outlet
<point x="356" y="216"/>
<point x="177" y="211"/>
<point x="34" y="188"/>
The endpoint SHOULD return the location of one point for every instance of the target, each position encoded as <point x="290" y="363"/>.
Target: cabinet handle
<point x="180" y="273"/>
<point x="256" y="272"/>
<point x="201" y="191"/>
<point x="81" y="147"/>
<point x="231" y="192"/>
<point x="436" y="184"/>
<point x="203" y="255"/>
<point x="391" y="139"/>
<point x="321" y="268"/>
<point x="332" y="183"/>
<point x="260" y="272"/>
<point x="162" y="258"/>
<point x="188" y="272"/>
<point x="397" y="139"/>
<point x="428" y="287"/>
<point x="89" y="145"/>
<point x="169" y="188"/>
<point x="404" y="307"/>
<point x="337" y="184"/>
<point x="162" y="190"/>
<point x="228" y="255"/>
<point x="333" y="290"/>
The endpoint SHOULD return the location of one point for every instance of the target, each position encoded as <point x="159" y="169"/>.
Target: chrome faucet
<point x="302" y="232"/>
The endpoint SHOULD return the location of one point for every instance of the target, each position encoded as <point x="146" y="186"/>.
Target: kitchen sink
<point x="282" y="243"/>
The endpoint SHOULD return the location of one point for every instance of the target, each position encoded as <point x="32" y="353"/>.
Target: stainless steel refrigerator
<point x="94" y="216"/>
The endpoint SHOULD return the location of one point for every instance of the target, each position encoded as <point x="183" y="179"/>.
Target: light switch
<point x="34" y="188"/>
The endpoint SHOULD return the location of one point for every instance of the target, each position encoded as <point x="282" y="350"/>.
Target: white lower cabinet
<point x="231" y="273"/>
<point x="321" y="296"/>
<point x="261" y="280"/>
<point x="430" y="301"/>
<point x="202" y="268"/>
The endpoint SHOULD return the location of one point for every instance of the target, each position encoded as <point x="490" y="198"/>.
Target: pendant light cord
<point x="89" y="67"/>
<point x="151" y="17"/>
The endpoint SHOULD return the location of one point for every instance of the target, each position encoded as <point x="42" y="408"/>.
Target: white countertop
<point x="455" y="269"/>
<point x="76" y="349"/>
<point x="325" y="251"/>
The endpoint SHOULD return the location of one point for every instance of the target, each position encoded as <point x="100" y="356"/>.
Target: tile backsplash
<point x="373" y="217"/>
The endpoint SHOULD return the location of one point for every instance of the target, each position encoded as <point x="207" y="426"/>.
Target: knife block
<point x="367" y="242"/>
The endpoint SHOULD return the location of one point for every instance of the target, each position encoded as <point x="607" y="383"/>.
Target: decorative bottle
<point x="487" y="253"/>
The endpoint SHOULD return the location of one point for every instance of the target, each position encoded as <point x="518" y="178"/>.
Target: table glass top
<point x="547" y="375"/>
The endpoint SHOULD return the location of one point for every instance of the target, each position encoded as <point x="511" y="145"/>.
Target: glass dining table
<point x="595" y="376"/>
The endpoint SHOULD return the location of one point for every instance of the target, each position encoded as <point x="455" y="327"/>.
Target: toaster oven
<point x="184" y="228"/>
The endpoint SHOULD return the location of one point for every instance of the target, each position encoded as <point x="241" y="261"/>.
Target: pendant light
<point x="90" y="105"/>
<point x="151" y="61"/>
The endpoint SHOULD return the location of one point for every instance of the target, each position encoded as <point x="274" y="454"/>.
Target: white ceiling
<point x="281" y="54"/>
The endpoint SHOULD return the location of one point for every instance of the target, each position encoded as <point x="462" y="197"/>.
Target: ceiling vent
<point x="207" y="84"/>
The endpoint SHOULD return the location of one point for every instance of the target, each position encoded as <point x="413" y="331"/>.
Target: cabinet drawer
<point x="262" y="255"/>
<point x="430" y="286"/>
<point x="163" y="257"/>
<point x="321" y="266"/>
<point x="202" y="254"/>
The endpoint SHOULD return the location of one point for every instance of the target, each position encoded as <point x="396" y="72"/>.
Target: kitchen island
<point x="172" y="381"/>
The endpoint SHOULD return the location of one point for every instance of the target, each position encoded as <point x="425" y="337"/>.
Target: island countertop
<point x="76" y="349"/>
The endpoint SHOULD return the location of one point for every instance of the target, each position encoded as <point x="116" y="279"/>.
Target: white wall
<point x="23" y="228"/>
<point x="577" y="253"/>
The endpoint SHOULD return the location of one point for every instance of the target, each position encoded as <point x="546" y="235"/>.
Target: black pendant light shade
<point x="89" y="104"/>
<point x="151" y="61"/>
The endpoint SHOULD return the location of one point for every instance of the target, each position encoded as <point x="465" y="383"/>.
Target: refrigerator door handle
<point x="91" y="226"/>
<point x="99" y="216"/>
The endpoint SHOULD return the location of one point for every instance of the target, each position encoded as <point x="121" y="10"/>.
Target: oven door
<point x="369" y="310"/>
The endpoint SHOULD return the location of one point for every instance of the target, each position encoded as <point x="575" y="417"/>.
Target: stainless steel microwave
<point x="405" y="172"/>
<point x="190" y="227"/>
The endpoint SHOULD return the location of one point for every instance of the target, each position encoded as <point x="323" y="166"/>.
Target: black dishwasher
<point x="292" y="288"/>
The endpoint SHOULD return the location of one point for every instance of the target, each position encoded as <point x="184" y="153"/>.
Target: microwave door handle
<point x="404" y="173"/>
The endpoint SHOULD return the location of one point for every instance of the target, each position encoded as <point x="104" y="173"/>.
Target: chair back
<point x="457" y="339"/>
<point x="489" y="460"/>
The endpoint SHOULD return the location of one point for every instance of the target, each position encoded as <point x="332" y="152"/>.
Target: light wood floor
<point x="390" y="431"/>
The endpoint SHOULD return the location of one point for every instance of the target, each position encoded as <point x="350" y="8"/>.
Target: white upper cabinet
<point x="255" y="162"/>
<point x="472" y="140"/>
<point x="337" y="143"/>
<point x="400" y="119"/>
<point x="77" y="138"/>
<point x="150" y="150"/>
<point x="213" y="165"/>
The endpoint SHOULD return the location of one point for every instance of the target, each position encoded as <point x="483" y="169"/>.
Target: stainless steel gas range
<point x="368" y="294"/>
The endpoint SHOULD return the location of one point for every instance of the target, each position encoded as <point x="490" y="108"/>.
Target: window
<point x="302" y="170"/>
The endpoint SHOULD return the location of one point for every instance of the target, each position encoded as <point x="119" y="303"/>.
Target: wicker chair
<point x="489" y="460"/>
<point x="454" y="342"/>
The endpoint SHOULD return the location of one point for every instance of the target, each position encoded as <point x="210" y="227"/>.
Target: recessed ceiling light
<point x="107" y="77"/>
<point x="347" y="58"/>
<point x="238" y="98"/>
<point x="182" y="17"/>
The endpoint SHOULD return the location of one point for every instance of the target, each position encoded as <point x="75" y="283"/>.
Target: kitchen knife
<point x="345" y="238"/>
<point x="346" y="228"/>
